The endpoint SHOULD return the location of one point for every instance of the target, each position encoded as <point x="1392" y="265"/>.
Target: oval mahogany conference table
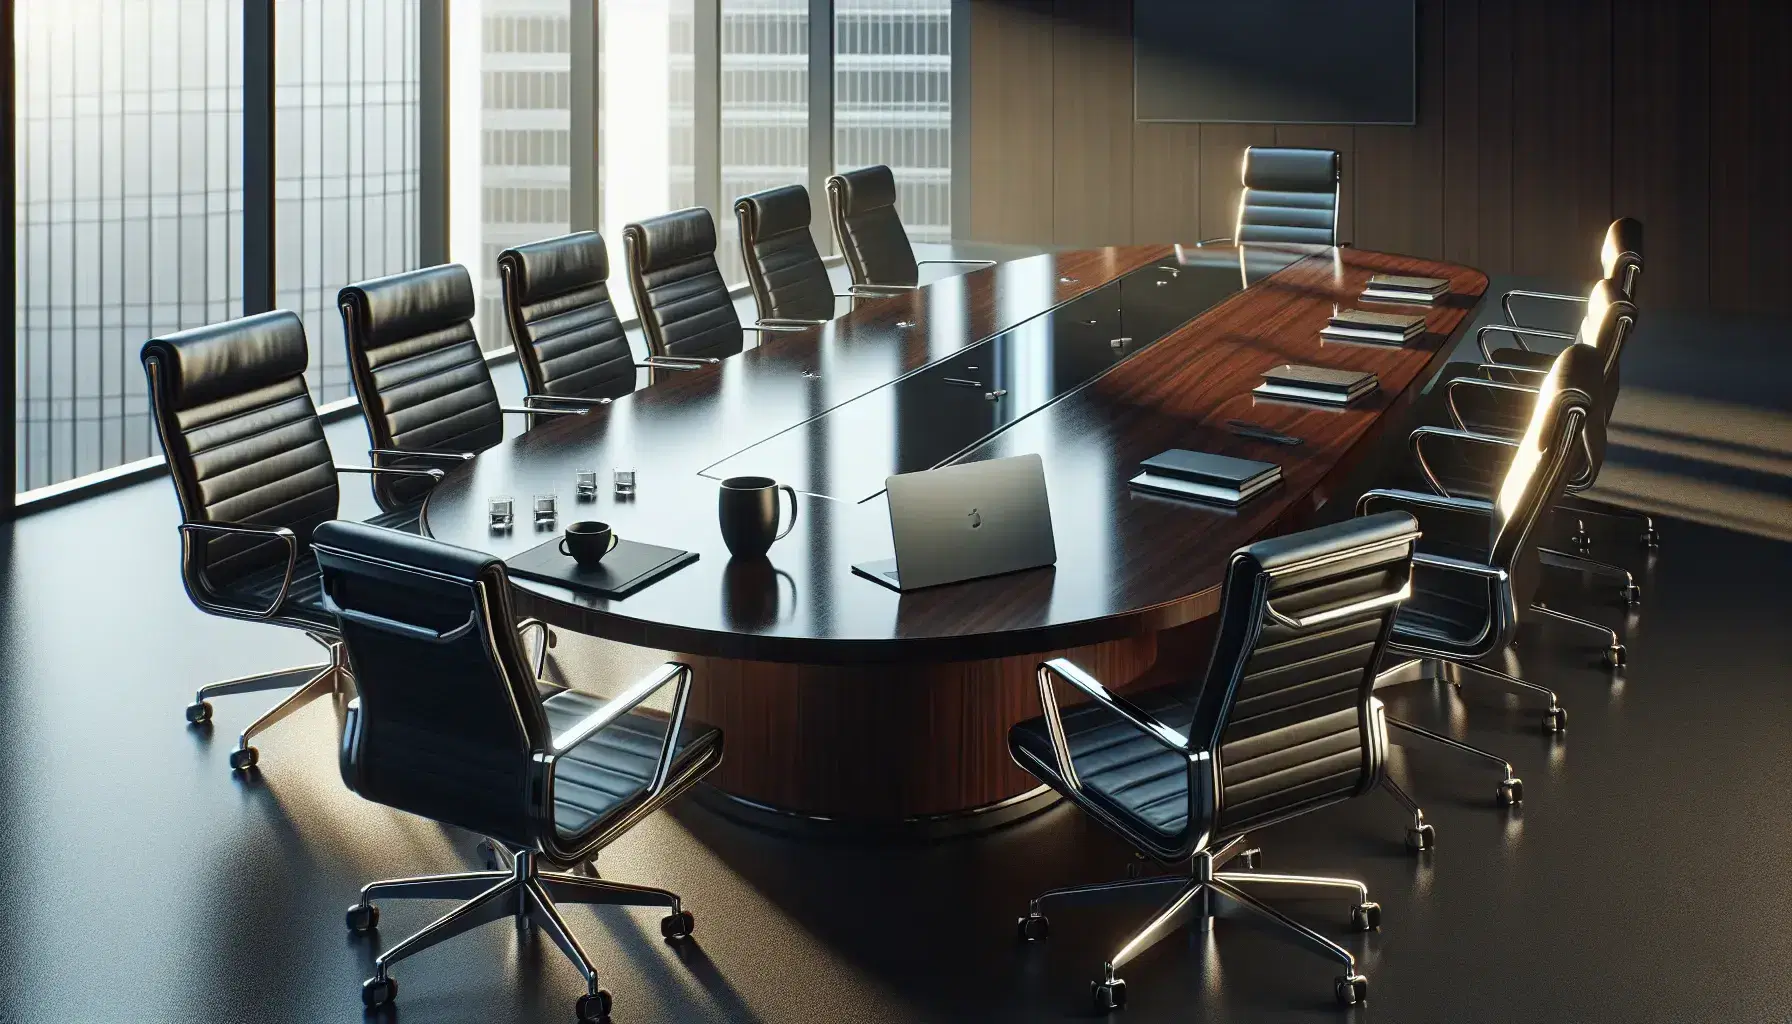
<point x="848" y="704"/>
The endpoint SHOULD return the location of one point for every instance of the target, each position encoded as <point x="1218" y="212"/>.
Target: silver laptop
<point x="965" y="522"/>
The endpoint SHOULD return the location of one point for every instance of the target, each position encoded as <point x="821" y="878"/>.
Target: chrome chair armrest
<point x="676" y="362"/>
<point x="1226" y="240"/>
<point x="1416" y="502"/>
<point x="1420" y="436"/>
<point x="373" y="454"/>
<point x="1518" y="333"/>
<point x="1515" y="393"/>
<point x="433" y="474"/>
<point x="762" y="327"/>
<point x="1061" y="668"/>
<point x="544" y="639"/>
<point x="1512" y="318"/>
<point x="250" y="530"/>
<point x="963" y="263"/>
<point x="883" y="289"/>
<point x="624" y="703"/>
<point x="584" y="403"/>
<point x="524" y="410"/>
<point x="1487" y="572"/>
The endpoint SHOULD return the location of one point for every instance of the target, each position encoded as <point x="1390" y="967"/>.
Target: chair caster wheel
<point x="1614" y="656"/>
<point x="1351" y="989"/>
<point x="199" y="712"/>
<point x="1555" y="720"/>
<point x="1034" y="927"/>
<point x="1581" y="543"/>
<point x="1631" y="595"/>
<point x="1365" y="917"/>
<point x="378" y="991"/>
<point x="244" y="758"/>
<point x="362" y="917"/>
<point x="593" y="1008"/>
<point x="1650" y="538"/>
<point x="1109" y="995"/>
<point x="1250" y="860"/>
<point x="677" y="926"/>
<point x="1420" y="838"/>
<point x="1511" y="792"/>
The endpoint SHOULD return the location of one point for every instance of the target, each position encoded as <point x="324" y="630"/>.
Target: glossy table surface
<point x="1097" y="366"/>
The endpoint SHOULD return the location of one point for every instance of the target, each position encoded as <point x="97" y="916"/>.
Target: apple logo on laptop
<point x="976" y="518"/>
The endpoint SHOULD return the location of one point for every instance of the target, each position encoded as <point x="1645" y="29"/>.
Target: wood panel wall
<point x="1539" y="121"/>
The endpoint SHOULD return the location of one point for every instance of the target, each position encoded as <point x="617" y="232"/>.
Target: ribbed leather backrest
<point x="1290" y="195"/>
<point x="684" y="305"/>
<point x="783" y="266"/>
<point x="1621" y="255"/>
<point x="422" y="380"/>
<point x="243" y="440"/>
<point x="1287" y="707"/>
<point x="568" y="338"/>
<point x="862" y="205"/>
<point x="1539" y="469"/>
<point x="448" y="720"/>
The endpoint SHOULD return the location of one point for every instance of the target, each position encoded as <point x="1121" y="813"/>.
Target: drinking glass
<point x="501" y="509"/>
<point x="625" y="481"/>
<point x="587" y="484"/>
<point x="545" y="508"/>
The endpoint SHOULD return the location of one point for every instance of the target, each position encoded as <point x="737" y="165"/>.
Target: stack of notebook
<point x="1216" y="479"/>
<point x="1395" y="288"/>
<point x="1318" y="384"/>
<point x="1365" y="325"/>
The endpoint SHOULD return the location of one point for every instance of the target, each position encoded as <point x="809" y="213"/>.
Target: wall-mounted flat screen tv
<point x="1276" y="61"/>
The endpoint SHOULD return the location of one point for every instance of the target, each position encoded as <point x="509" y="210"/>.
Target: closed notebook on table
<point x="1401" y="283"/>
<point x="1212" y="470"/>
<point x="1342" y="383"/>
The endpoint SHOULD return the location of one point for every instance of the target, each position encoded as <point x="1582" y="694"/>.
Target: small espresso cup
<point x="588" y="542"/>
<point x="748" y="509"/>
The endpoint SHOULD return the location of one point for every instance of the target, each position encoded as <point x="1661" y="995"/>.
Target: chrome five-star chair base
<point x="311" y="682"/>
<point x="1202" y="893"/>
<point x="524" y="892"/>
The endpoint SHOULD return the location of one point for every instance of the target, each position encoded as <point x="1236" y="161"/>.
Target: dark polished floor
<point x="1645" y="877"/>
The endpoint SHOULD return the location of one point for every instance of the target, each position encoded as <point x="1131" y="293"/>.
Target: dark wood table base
<point x="881" y="747"/>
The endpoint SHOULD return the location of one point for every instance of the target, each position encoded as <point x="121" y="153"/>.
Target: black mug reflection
<point x="753" y="593"/>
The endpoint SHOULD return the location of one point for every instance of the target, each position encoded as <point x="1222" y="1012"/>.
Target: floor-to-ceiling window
<point x="893" y="103"/>
<point x="128" y="211"/>
<point x="765" y="107"/>
<point x="346" y="106"/>
<point x="513" y="159"/>
<point x="645" y="143"/>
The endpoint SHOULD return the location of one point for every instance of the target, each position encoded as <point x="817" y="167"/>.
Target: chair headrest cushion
<point x="671" y="239"/>
<point x="411" y="304"/>
<point x="550" y="268"/>
<point x="207" y="363"/>
<point x="776" y="210"/>
<point x="1280" y="169"/>
<point x="865" y="189"/>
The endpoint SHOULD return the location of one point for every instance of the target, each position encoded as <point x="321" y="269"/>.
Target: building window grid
<point x="351" y="212"/>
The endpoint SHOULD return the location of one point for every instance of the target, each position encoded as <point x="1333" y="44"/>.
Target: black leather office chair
<point x="790" y="283"/>
<point x="862" y="206"/>
<point x="1290" y="195"/>
<point x="1620" y="262"/>
<point x="1477" y="569"/>
<point x="253" y="474"/>
<point x="686" y="312"/>
<point x="1497" y="399"/>
<point x="451" y="724"/>
<point x="1284" y="722"/>
<point x="425" y="390"/>
<point x="569" y="341"/>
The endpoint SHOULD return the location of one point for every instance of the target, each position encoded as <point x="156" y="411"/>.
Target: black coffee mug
<point x="588" y="542"/>
<point x="748" y="509"/>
